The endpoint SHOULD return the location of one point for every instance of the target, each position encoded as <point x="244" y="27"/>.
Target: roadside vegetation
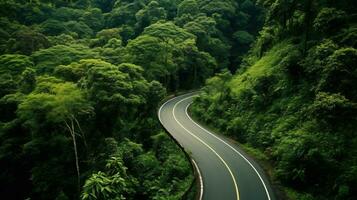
<point x="294" y="97"/>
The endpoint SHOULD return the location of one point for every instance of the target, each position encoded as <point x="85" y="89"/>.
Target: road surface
<point x="225" y="171"/>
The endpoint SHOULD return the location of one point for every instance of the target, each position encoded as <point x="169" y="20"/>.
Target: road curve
<point x="226" y="171"/>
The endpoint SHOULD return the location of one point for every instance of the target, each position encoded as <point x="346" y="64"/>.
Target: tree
<point x="28" y="81"/>
<point x="219" y="50"/>
<point x="99" y="187"/>
<point x="187" y="7"/>
<point x="114" y="183"/>
<point x="55" y="103"/>
<point x="52" y="27"/>
<point x="203" y="28"/>
<point x="243" y="37"/>
<point x="196" y="66"/>
<point x="332" y="109"/>
<point x="149" y="15"/>
<point x="113" y="92"/>
<point x="168" y="30"/>
<point x="156" y="93"/>
<point x="339" y="75"/>
<point x="218" y="83"/>
<point x="329" y="20"/>
<point x="209" y="38"/>
<point x="7" y="84"/>
<point x="123" y="13"/>
<point x="280" y="10"/>
<point x="158" y="44"/>
<point x="159" y="54"/>
<point x="63" y="39"/>
<point x="93" y="18"/>
<point x="26" y="41"/>
<point x="104" y="5"/>
<point x="47" y="59"/>
<point x="65" y="14"/>
<point x="81" y="29"/>
<point x="103" y="36"/>
<point x="224" y="8"/>
<point x="14" y="64"/>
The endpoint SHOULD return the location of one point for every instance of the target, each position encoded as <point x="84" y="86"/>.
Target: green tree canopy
<point x="47" y="59"/>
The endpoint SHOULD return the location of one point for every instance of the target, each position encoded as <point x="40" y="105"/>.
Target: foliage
<point x="100" y="186"/>
<point x="329" y="19"/>
<point x="80" y="82"/>
<point x="294" y="97"/>
<point x="47" y="59"/>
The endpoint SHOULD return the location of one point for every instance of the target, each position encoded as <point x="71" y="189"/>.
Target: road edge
<point x="274" y="191"/>
<point x="197" y="178"/>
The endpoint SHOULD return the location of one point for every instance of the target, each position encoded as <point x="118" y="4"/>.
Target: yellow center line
<point x="199" y="139"/>
<point x="235" y="150"/>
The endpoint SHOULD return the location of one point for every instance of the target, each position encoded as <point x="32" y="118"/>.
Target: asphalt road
<point x="226" y="172"/>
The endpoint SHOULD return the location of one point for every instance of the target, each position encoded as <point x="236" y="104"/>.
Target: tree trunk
<point x="82" y="133"/>
<point x="73" y="135"/>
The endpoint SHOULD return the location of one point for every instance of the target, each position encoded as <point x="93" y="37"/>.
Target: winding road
<point x="225" y="171"/>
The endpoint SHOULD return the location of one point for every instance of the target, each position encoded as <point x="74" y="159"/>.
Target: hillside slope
<point x="295" y="98"/>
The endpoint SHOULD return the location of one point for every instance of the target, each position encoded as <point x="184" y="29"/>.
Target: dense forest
<point x="294" y="97"/>
<point x="81" y="80"/>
